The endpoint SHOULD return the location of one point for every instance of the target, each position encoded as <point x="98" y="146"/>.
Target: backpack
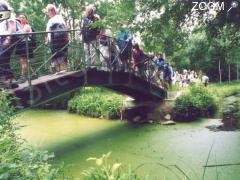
<point x="58" y="39"/>
<point x="167" y="71"/>
<point x="89" y="33"/>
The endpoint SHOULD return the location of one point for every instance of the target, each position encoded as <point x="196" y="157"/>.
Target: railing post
<point x="29" y="72"/>
<point x="149" y="75"/>
<point x="85" y="60"/>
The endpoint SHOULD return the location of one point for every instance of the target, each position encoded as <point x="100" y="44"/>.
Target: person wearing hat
<point x="8" y="26"/>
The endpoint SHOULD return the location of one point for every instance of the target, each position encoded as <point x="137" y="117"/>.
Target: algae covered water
<point x="183" y="151"/>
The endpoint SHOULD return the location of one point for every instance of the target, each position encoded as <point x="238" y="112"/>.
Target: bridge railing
<point x="39" y="54"/>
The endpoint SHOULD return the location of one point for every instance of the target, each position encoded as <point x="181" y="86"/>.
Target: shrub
<point x="103" y="170"/>
<point x="96" y="102"/>
<point x="197" y="103"/>
<point x="18" y="161"/>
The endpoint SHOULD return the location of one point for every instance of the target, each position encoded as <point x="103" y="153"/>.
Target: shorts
<point x="60" y="55"/>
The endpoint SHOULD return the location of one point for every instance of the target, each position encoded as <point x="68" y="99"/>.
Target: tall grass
<point x="96" y="102"/>
<point x="221" y="91"/>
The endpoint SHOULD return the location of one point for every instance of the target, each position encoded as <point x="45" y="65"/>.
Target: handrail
<point x="39" y="64"/>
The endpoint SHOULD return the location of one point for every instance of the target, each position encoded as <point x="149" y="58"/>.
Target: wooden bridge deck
<point x="48" y="87"/>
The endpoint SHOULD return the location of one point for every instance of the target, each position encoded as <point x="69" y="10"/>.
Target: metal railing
<point x="100" y="55"/>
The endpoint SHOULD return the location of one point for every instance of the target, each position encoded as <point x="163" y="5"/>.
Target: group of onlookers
<point x="23" y="44"/>
<point x="9" y="25"/>
<point x="189" y="77"/>
<point x="117" y="55"/>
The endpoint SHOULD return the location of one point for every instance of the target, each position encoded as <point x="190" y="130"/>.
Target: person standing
<point x="125" y="46"/>
<point x="8" y="26"/>
<point x="58" y="40"/>
<point x="138" y="58"/>
<point x="21" y="48"/>
<point x="205" y="80"/>
<point x="89" y="36"/>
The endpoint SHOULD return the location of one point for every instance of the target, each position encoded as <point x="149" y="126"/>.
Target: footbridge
<point x="96" y="69"/>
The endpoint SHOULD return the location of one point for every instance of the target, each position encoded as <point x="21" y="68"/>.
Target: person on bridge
<point x="167" y="75"/>
<point x="89" y="36"/>
<point x="125" y="46"/>
<point x="138" y="60"/>
<point x="58" y="40"/>
<point x="8" y="26"/>
<point x="161" y="61"/>
<point x="21" y="48"/>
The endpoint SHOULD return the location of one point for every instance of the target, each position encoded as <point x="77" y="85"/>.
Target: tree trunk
<point x="237" y="70"/>
<point x="219" y="69"/>
<point x="229" y="73"/>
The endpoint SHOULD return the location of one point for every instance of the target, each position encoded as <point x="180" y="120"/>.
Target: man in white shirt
<point x="205" y="80"/>
<point x="58" y="46"/>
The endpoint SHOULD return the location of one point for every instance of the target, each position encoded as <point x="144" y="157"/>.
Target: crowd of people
<point x="121" y="54"/>
<point x="14" y="38"/>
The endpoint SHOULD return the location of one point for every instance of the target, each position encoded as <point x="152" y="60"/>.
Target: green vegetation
<point x="203" y="102"/>
<point x="104" y="170"/>
<point x="194" y="104"/>
<point x="18" y="161"/>
<point x="96" y="102"/>
<point x="237" y="112"/>
<point x="225" y="89"/>
<point x="221" y="91"/>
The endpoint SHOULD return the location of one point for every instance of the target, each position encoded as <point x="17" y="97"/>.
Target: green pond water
<point x="153" y="151"/>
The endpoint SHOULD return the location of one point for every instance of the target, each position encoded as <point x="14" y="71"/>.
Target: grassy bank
<point x="96" y="102"/>
<point x="221" y="91"/>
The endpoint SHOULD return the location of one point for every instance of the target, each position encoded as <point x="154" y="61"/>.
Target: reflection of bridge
<point x="46" y="87"/>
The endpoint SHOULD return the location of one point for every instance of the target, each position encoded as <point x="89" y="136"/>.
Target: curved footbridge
<point x="49" y="87"/>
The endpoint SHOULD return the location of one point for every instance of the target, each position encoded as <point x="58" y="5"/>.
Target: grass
<point x="221" y="91"/>
<point x="96" y="102"/>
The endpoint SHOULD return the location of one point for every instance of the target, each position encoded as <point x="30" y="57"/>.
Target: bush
<point x="18" y="161"/>
<point x="96" y="102"/>
<point x="197" y="103"/>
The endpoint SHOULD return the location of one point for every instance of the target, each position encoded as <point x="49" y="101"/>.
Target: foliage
<point x="103" y="170"/>
<point x="96" y="102"/>
<point x="197" y="103"/>
<point x="237" y="113"/>
<point x="18" y="161"/>
<point x="221" y="91"/>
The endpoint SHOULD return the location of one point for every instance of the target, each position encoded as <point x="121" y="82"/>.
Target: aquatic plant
<point x="103" y="170"/>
